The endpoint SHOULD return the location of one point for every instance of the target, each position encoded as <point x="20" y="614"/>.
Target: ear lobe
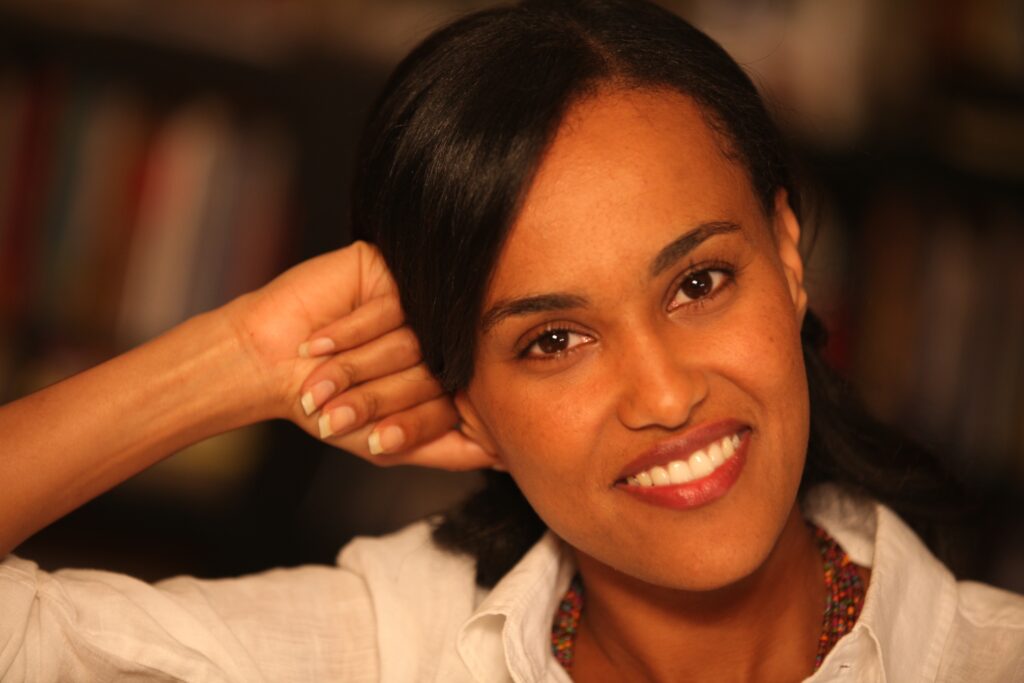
<point x="787" y="237"/>
<point x="474" y="428"/>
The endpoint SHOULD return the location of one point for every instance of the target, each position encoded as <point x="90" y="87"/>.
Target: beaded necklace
<point x="842" y="583"/>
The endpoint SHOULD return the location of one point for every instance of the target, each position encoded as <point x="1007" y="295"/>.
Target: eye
<point x="554" y="342"/>
<point x="698" y="285"/>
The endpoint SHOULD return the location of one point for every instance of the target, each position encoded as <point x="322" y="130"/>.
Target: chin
<point x="722" y="549"/>
<point x="714" y="569"/>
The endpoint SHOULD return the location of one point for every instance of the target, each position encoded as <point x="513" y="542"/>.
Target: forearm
<point x="66" y="444"/>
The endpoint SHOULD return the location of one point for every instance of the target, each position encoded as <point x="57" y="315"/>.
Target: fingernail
<point x="386" y="440"/>
<point x="336" y="421"/>
<point x="317" y="347"/>
<point x="324" y="422"/>
<point x="342" y="418"/>
<point x="320" y="392"/>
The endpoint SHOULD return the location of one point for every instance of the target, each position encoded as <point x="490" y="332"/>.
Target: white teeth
<point x="679" y="472"/>
<point x="715" y="454"/>
<point x="700" y="464"/>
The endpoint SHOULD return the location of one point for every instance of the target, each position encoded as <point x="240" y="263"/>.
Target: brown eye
<point x="698" y="285"/>
<point x="555" y="343"/>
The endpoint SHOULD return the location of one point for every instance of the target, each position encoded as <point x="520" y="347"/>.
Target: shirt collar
<point x="907" y="615"/>
<point x="911" y="599"/>
<point x="512" y="624"/>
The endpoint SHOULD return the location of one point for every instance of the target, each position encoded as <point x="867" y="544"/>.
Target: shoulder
<point x="923" y="623"/>
<point x="302" y="623"/>
<point x="987" y="607"/>
<point x="421" y="597"/>
<point x="411" y="581"/>
<point x="435" y="624"/>
<point x="405" y="558"/>
<point x="986" y="641"/>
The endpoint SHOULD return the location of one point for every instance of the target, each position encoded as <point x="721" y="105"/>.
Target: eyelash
<point x="726" y="270"/>
<point x="728" y="276"/>
<point x="549" y="329"/>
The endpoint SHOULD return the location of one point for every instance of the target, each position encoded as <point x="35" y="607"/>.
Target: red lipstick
<point x="699" y="491"/>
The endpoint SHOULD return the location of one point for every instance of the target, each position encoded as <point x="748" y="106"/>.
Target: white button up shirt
<point x="398" y="609"/>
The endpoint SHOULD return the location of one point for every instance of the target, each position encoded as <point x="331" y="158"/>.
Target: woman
<point x="594" y="239"/>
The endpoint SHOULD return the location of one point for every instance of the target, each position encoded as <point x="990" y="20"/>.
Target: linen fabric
<point x="398" y="609"/>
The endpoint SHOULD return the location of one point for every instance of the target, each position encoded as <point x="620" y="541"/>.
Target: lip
<point x="681" y="447"/>
<point x="696" y="493"/>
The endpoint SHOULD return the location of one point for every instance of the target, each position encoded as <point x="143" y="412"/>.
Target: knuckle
<point x="408" y="344"/>
<point x="393" y="309"/>
<point x="354" y="331"/>
<point x="422" y="375"/>
<point x="348" y="373"/>
<point x="371" y="404"/>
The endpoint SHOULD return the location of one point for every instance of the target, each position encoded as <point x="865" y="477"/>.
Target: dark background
<point x="158" y="159"/>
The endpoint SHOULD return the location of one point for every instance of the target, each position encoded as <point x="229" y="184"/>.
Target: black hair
<point x="454" y="142"/>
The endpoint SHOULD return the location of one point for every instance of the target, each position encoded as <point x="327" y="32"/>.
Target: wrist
<point x="233" y="387"/>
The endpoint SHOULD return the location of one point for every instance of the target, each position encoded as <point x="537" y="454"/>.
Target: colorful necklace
<point x="842" y="583"/>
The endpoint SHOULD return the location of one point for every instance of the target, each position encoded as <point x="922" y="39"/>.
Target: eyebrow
<point x="541" y="303"/>
<point x="559" y="301"/>
<point x="680" y="247"/>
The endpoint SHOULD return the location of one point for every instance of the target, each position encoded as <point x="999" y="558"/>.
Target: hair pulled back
<point x="464" y="121"/>
<point x="452" y="146"/>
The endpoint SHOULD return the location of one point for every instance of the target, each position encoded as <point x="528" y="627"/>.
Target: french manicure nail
<point x="386" y="440"/>
<point x="342" y="418"/>
<point x="324" y="423"/>
<point x="317" y="347"/>
<point x="336" y="421"/>
<point x="320" y="392"/>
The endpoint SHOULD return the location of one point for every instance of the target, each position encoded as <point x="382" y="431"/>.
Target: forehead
<point x="627" y="172"/>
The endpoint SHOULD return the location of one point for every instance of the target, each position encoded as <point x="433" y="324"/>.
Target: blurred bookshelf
<point x="157" y="160"/>
<point x="155" y="164"/>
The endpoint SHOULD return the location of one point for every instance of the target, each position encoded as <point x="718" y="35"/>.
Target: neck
<point x="764" y="627"/>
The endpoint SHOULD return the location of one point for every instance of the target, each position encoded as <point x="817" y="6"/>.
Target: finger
<point x="416" y="427"/>
<point x="377" y="399"/>
<point x="452" y="451"/>
<point x="424" y="437"/>
<point x="395" y="351"/>
<point x="371" y="320"/>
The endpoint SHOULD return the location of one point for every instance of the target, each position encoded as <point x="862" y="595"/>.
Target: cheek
<point x="765" y="360"/>
<point x="552" y="423"/>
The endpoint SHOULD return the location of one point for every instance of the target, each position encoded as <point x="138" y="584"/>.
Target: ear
<point x="474" y="428"/>
<point x="787" y="239"/>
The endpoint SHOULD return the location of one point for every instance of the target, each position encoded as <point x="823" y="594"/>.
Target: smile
<point x="690" y="470"/>
<point x="698" y="465"/>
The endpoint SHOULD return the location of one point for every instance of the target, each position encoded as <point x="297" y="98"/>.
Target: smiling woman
<point x="616" y="301"/>
<point x="650" y="375"/>
<point x="595" y="241"/>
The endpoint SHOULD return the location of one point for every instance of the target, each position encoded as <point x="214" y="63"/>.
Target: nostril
<point x="664" y="399"/>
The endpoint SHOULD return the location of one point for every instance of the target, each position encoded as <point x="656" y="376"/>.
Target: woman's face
<point x="643" y="313"/>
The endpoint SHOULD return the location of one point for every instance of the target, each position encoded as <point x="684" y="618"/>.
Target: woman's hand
<point x="67" y="443"/>
<point x="328" y="341"/>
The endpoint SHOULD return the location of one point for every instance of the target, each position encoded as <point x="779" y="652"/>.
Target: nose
<point x="661" y="384"/>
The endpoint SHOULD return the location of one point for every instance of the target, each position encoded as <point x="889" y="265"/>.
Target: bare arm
<point x="233" y="366"/>
<point x="68" y="443"/>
